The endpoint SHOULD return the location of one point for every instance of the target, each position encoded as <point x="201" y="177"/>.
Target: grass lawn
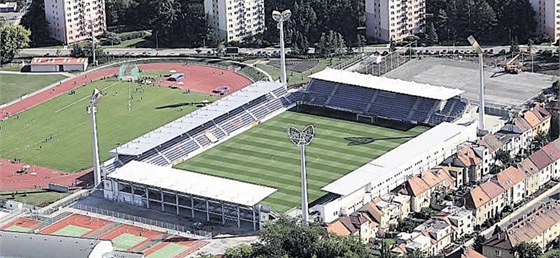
<point x="551" y="253"/>
<point x="66" y="120"/>
<point x="40" y="199"/>
<point x="295" y="77"/>
<point x="129" y="43"/>
<point x="18" y="229"/>
<point x="11" y="67"/>
<point x="14" y="86"/>
<point x="264" y="155"/>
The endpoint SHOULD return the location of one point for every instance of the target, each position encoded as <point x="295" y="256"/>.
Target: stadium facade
<point x="347" y="95"/>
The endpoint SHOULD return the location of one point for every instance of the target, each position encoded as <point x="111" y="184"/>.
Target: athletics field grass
<point x="28" y="136"/>
<point x="14" y="86"/>
<point x="264" y="155"/>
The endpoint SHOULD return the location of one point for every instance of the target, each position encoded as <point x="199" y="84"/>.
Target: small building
<point x="58" y="64"/>
<point x="176" y="77"/>
<point x="8" y="7"/>
<point x="13" y="205"/>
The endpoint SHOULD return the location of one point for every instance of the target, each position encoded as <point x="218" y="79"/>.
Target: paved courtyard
<point x="502" y="89"/>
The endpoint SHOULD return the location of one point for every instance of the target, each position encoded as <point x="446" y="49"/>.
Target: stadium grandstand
<point x="188" y="194"/>
<point x="194" y="132"/>
<point x="371" y="97"/>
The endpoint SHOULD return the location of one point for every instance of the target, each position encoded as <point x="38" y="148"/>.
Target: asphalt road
<point x="249" y="51"/>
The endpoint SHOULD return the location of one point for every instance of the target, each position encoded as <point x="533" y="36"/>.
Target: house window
<point x="498" y="253"/>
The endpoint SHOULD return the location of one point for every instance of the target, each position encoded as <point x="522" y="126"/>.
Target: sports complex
<point x="175" y="147"/>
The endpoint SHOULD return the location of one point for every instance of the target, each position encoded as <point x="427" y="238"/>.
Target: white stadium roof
<point x="195" y="119"/>
<point x="380" y="168"/>
<point x="183" y="181"/>
<point x="386" y="84"/>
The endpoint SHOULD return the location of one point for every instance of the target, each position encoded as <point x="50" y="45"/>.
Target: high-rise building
<point x="233" y="20"/>
<point x="73" y="20"/>
<point x="548" y="17"/>
<point x="393" y="20"/>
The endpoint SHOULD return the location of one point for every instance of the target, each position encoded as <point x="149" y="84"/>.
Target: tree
<point x="431" y="34"/>
<point x="290" y="238"/>
<point x="406" y="225"/>
<point x="416" y="254"/>
<point x="84" y="49"/>
<point x="527" y="250"/>
<point x="34" y="20"/>
<point x="205" y="255"/>
<point x="385" y="250"/>
<point x="240" y="251"/>
<point x="478" y="242"/>
<point x="504" y="158"/>
<point x="13" y="38"/>
<point x="540" y="140"/>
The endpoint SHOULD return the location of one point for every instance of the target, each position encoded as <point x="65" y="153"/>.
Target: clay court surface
<point x="127" y="237"/>
<point x="21" y="225"/>
<point x="36" y="177"/>
<point x="199" y="78"/>
<point x="76" y="225"/>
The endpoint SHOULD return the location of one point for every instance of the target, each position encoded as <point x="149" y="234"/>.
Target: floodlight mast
<point x="480" y="53"/>
<point x="302" y="139"/>
<point x="281" y="17"/>
<point x="92" y="109"/>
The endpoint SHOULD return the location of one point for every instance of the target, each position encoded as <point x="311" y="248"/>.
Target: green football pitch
<point x="57" y="133"/>
<point x="265" y="156"/>
<point x="13" y="86"/>
<point x="18" y="229"/>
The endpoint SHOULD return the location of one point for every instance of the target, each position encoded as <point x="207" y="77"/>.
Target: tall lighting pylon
<point x="281" y="17"/>
<point x="480" y="53"/>
<point x="92" y="109"/>
<point x="302" y="139"/>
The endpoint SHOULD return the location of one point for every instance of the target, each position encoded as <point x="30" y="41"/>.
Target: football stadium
<point x="231" y="162"/>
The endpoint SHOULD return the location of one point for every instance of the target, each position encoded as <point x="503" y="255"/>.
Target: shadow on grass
<point x="366" y="140"/>
<point x="176" y="105"/>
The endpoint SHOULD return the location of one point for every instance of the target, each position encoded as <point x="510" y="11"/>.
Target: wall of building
<point x="44" y="68"/>
<point x="72" y="20"/>
<point x="394" y="20"/>
<point x="235" y="20"/>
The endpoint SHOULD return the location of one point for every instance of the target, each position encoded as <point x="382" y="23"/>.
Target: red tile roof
<point x="540" y="159"/>
<point x="528" y="167"/>
<point x="509" y="177"/>
<point x="58" y="61"/>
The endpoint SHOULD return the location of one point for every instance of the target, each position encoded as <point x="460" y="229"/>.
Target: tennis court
<point x="169" y="250"/>
<point x="72" y="230"/>
<point x="18" y="229"/>
<point x="126" y="241"/>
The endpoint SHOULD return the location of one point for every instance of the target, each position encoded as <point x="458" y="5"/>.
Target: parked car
<point x="221" y="90"/>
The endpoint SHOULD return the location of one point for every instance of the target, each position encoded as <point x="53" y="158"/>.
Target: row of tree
<point x="12" y="39"/>
<point x="498" y="21"/>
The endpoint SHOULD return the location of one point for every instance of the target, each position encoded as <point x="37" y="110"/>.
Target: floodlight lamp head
<point x="475" y="45"/>
<point x="303" y="137"/>
<point x="95" y="95"/>
<point x="281" y="16"/>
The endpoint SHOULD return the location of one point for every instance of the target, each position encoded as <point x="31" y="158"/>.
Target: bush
<point x="132" y="35"/>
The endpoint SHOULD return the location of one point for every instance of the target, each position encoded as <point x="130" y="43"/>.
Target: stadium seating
<point x="374" y="102"/>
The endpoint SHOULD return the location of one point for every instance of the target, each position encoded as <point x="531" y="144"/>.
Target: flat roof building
<point x="70" y="21"/>
<point x="548" y="17"/>
<point x="234" y="20"/>
<point x="58" y="64"/>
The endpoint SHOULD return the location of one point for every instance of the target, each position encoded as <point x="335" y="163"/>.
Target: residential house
<point x="513" y="182"/>
<point x="467" y="159"/>
<point x="492" y="143"/>
<point x="531" y="175"/>
<point x="423" y="188"/>
<point x="544" y="164"/>
<point x="356" y="224"/>
<point x="456" y="174"/>
<point x="430" y="237"/>
<point x="540" y="226"/>
<point x="539" y="119"/>
<point x="386" y="213"/>
<point x="465" y="252"/>
<point x="460" y="219"/>
<point x="485" y="201"/>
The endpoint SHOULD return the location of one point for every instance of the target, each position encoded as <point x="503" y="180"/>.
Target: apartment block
<point x="234" y="20"/>
<point x="548" y="17"/>
<point x="393" y="20"/>
<point x="75" y="20"/>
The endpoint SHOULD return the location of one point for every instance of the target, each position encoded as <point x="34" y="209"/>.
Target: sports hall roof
<point x="183" y="181"/>
<point x="382" y="167"/>
<point x="195" y="119"/>
<point x="386" y="84"/>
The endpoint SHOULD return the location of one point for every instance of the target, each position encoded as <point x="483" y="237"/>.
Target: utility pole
<point x="92" y="43"/>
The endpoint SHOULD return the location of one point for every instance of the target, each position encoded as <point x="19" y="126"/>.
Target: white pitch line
<point x="82" y="99"/>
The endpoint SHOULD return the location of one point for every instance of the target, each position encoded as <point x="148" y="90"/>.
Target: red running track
<point x="37" y="177"/>
<point x="199" y="78"/>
